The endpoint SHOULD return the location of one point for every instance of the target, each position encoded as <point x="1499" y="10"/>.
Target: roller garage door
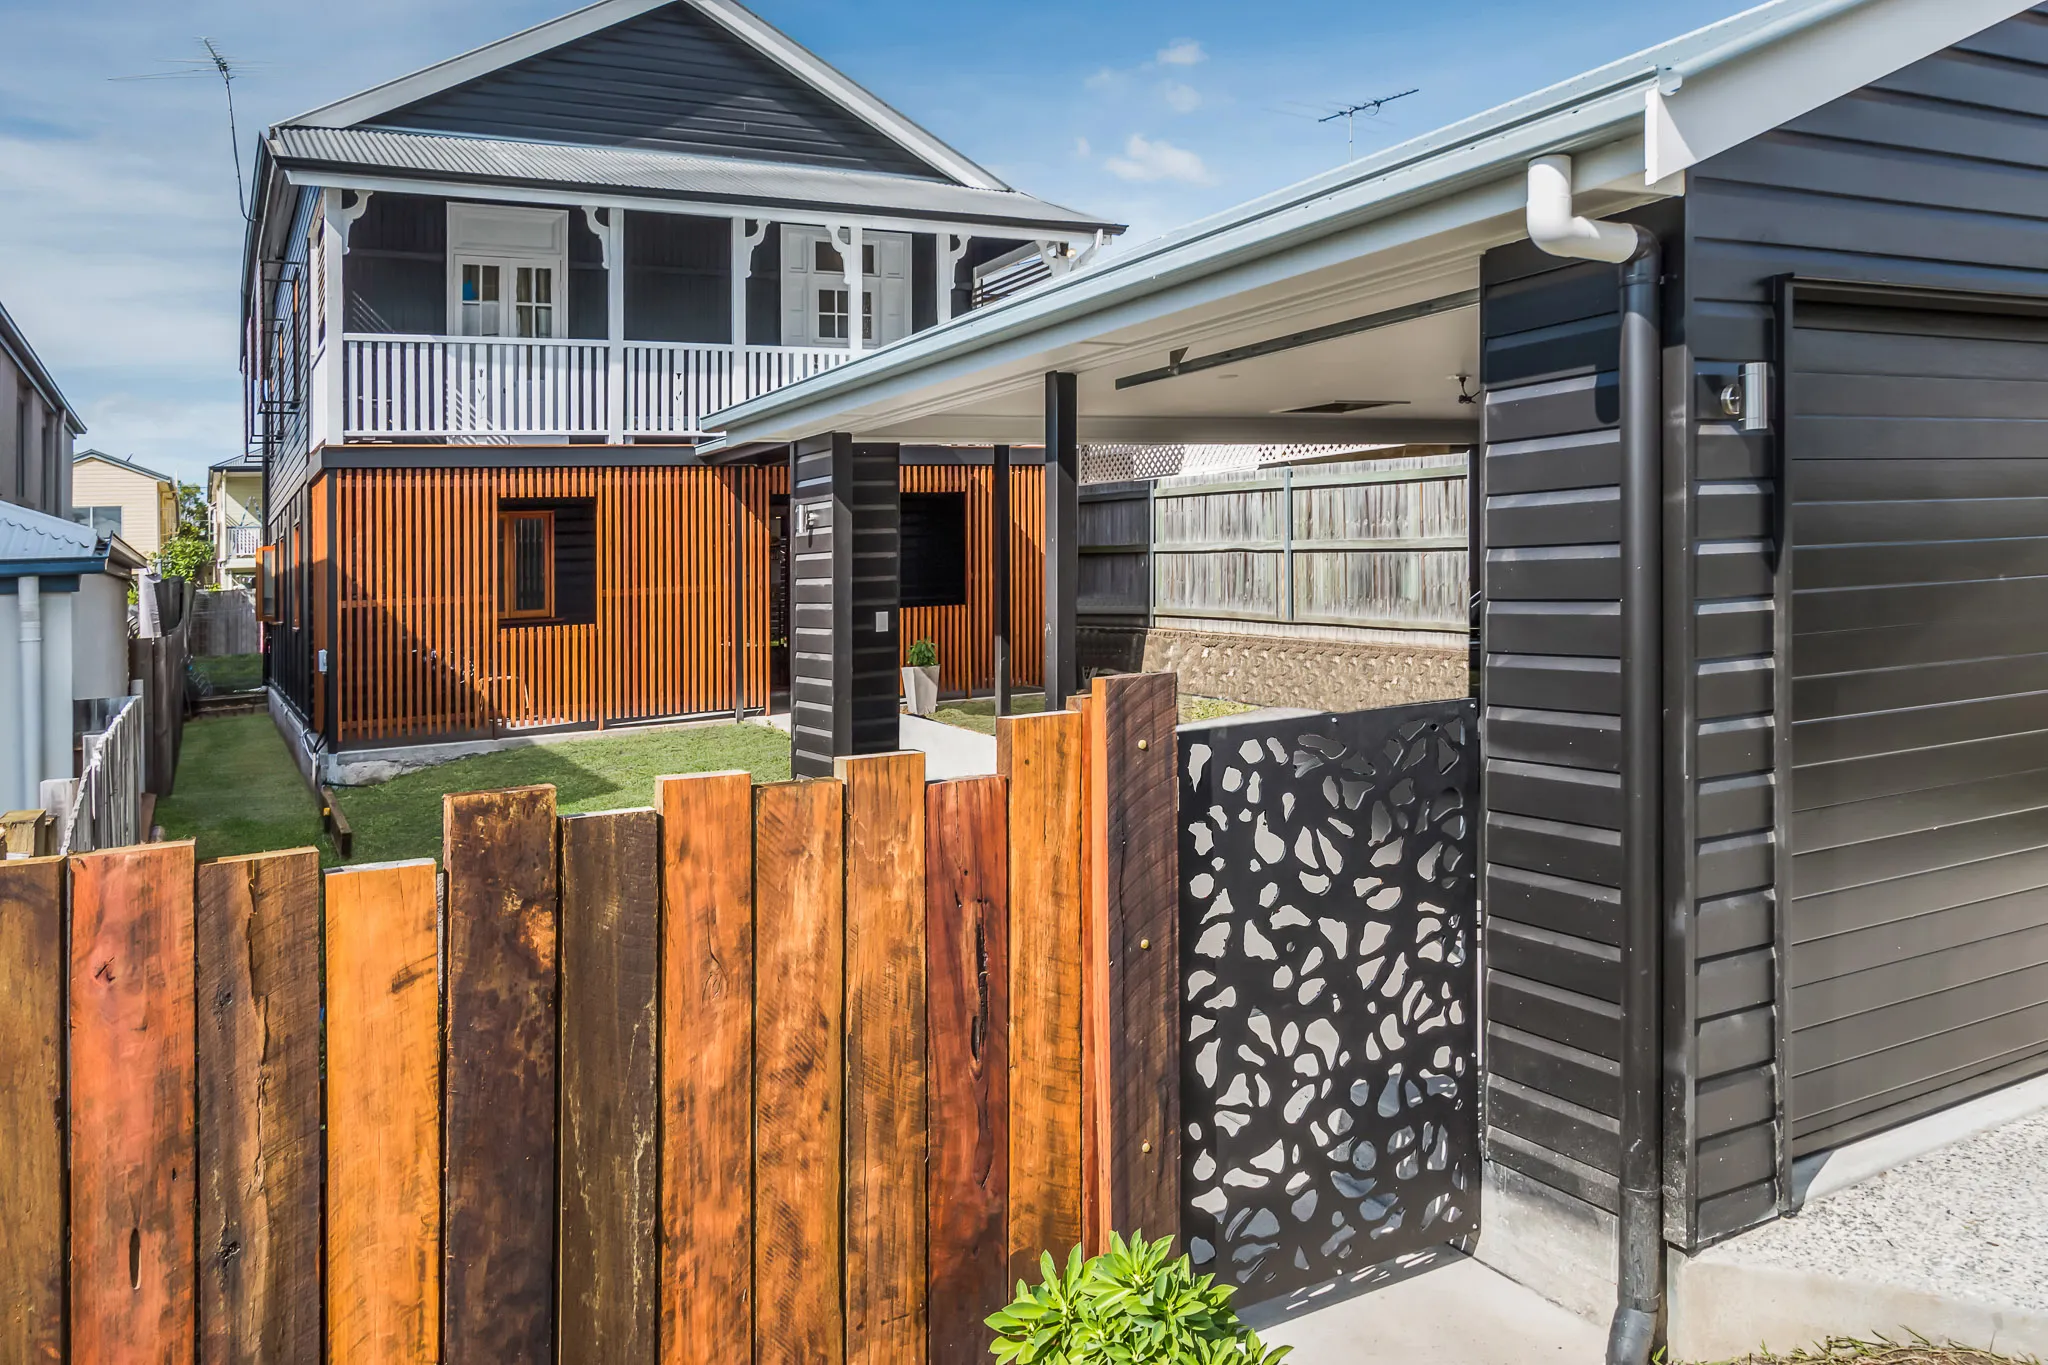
<point x="1918" y="446"/>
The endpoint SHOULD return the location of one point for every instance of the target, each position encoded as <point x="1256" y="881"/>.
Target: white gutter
<point x="30" y="612"/>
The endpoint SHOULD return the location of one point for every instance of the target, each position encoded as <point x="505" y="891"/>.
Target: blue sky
<point x="120" y="234"/>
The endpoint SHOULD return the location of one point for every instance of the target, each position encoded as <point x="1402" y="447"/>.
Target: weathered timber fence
<point x="106" y="804"/>
<point x="800" y="1072"/>
<point x="224" y="622"/>
<point x="1375" y="544"/>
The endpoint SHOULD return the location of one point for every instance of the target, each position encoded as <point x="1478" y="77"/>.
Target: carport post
<point x="1062" y="537"/>
<point x="999" y="585"/>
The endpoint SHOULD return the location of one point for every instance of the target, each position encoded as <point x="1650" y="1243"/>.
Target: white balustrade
<point x="494" y="389"/>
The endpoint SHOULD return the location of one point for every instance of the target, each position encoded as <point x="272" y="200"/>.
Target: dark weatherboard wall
<point x="1551" y="629"/>
<point x="671" y="80"/>
<point x="1931" y="177"/>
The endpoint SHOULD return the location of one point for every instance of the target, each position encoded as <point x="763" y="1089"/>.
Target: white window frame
<point x="889" y="287"/>
<point x="493" y="234"/>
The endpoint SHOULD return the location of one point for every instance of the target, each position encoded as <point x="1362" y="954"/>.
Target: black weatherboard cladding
<point x="1552" y="687"/>
<point x="670" y="80"/>
<point x="678" y="278"/>
<point x="844" y="689"/>
<point x="1930" y="177"/>
<point x="396" y="270"/>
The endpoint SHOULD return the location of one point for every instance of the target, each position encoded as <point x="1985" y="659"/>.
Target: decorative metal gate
<point x="1330" y="1072"/>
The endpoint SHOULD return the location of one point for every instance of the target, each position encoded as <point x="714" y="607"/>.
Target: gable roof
<point x="25" y="359"/>
<point x="82" y="456"/>
<point x="1636" y="124"/>
<point x="725" y="17"/>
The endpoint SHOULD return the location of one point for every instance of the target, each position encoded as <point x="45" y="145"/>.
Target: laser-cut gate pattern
<point x="1328" y="928"/>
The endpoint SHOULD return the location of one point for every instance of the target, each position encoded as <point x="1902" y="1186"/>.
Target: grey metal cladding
<point x="1927" y="178"/>
<point x="690" y="176"/>
<point x="671" y="80"/>
<point x="1551" y="634"/>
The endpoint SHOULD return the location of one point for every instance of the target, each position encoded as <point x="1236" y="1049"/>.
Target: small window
<point x="105" y="521"/>
<point x="529" y="568"/>
<point x="266" y="583"/>
<point x="826" y="260"/>
<point x="535" y="301"/>
<point x="934" y="549"/>
<point x="548" y="561"/>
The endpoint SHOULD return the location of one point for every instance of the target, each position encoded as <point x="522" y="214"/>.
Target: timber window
<point x="934" y="550"/>
<point x="817" y="301"/>
<point x="529" y="565"/>
<point x="507" y="267"/>
<point x="547" y="561"/>
<point x="266" y="585"/>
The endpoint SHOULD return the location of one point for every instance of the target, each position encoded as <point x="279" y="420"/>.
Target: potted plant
<point x="921" y="677"/>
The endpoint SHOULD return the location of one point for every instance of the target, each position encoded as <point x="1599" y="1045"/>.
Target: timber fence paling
<point x="769" y="1073"/>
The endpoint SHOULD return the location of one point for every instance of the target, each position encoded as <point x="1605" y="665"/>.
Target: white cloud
<point x="1182" y="52"/>
<point x="1146" y="159"/>
<point x="1106" y="80"/>
<point x="1181" y="98"/>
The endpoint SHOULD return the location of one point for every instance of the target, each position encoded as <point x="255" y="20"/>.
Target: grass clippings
<point x="1856" y="1351"/>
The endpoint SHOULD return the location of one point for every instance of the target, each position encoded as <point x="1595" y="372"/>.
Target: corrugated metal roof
<point x="26" y="535"/>
<point x="765" y="184"/>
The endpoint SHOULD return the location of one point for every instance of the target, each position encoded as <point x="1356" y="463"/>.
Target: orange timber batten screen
<point x="420" y="650"/>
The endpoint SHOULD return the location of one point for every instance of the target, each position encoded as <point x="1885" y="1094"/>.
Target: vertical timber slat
<point x="383" y="1116"/>
<point x="134" y="1186"/>
<point x="499" y="1242"/>
<point x="32" y="975"/>
<point x="707" y="1064"/>
<point x="968" y="1018"/>
<point x="258" y="926"/>
<point x="611" y="937"/>
<point x="1041" y="758"/>
<point x="799" y="983"/>
<point x="1134" y="760"/>
<point x="885" y="1109"/>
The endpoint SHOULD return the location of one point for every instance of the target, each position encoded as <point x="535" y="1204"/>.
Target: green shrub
<point x="1128" y="1306"/>
<point x="923" y="654"/>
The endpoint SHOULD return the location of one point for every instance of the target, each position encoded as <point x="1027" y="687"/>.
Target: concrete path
<point x="1440" y="1308"/>
<point x="948" y="750"/>
<point x="1951" y="1244"/>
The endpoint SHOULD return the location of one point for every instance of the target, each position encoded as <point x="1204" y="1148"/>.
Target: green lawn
<point x="981" y="715"/>
<point x="230" y="672"/>
<point x="239" y="793"/>
<point x="402" y="818"/>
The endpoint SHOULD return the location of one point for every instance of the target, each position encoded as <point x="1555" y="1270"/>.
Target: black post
<point x="1640" y="1305"/>
<point x="1062" y="537"/>
<point x="999" y="586"/>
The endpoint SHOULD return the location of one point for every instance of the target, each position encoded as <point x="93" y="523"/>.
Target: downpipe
<point x="1555" y="228"/>
<point x="29" y="605"/>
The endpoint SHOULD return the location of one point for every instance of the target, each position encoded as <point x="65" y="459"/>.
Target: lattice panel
<point x="1328" y="927"/>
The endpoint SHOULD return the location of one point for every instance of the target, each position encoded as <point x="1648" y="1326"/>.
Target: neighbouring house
<point x="1749" y="334"/>
<point x="234" y="502"/>
<point x="489" y="305"/>
<point x="63" y="644"/>
<point x="35" y="445"/>
<point x="118" y="497"/>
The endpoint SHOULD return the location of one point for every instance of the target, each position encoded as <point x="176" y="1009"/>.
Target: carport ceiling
<point x="1407" y="369"/>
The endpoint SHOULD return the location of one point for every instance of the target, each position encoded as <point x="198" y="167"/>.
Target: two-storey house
<point x="234" y="504"/>
<point x="488" y="306"/>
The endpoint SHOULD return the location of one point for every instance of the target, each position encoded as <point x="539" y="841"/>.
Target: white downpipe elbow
<point x="1556" y="229"/>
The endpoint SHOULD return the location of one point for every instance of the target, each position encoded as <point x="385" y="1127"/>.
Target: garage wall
<point x="1930" y="177"/>
<point x="1551" y="687"/>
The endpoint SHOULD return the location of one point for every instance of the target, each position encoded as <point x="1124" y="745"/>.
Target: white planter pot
<point x="921" y="689"/>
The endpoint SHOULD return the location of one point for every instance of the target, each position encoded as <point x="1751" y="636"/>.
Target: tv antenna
<point x="1350" y="113"/>
<point x="214" y="63"/>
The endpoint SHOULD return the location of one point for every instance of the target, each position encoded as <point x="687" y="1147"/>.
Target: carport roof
<point x="1395" y="227"/>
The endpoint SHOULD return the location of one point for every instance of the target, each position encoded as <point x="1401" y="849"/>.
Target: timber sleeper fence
<point x="799" y="1072"/>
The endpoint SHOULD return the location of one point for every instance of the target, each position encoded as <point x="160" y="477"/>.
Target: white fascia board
<point x="600" y="199"/>
<point x="396" y="94"/>
<point x="864" y="104"/>
<point x="1727" y="96"/>
<point x="1468" y="199"/>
